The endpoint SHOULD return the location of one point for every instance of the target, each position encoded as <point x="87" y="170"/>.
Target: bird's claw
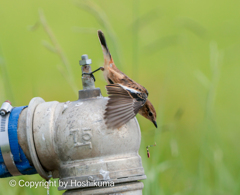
<point x="91" y="74"/>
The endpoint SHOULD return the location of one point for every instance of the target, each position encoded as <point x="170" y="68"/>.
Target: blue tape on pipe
<point x="20" y="159"/>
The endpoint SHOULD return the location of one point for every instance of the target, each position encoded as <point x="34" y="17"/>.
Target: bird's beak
<point x="155" y="123"/>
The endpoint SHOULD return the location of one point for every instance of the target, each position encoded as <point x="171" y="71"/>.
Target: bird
<point x="126" y="97"/>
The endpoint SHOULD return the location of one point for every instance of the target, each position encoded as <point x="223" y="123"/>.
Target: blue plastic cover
<point x="20" y="159"/>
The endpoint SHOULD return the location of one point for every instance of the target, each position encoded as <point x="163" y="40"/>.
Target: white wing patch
<point x="129" y="89"/>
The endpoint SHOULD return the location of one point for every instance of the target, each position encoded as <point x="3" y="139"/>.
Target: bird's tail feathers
<point x="103" y="42"/>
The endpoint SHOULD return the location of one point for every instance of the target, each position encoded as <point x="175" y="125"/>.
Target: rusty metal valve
<point x="70" y="141"/>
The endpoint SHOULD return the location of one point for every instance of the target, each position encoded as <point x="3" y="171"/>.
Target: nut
<point x="85" y="60"/>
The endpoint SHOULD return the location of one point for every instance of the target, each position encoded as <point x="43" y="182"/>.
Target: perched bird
<point x="126" y="97"/>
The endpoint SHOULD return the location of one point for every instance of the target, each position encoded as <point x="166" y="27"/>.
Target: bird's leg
<point x="91" y="73"/>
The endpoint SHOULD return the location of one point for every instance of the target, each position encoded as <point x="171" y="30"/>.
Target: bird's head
<point x="148" y="111"/>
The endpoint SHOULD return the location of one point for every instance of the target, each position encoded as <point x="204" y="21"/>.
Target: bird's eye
<point x="150" y="114"/>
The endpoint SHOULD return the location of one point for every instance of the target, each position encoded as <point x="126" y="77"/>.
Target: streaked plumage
<point x="123" y="104"/>
<point x="126" y="97"/>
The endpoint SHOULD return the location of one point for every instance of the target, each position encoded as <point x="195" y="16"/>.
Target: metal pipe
<point x="87" y="80"/>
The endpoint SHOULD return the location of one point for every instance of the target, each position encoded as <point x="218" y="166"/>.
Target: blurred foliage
<point x="186" y="53"/>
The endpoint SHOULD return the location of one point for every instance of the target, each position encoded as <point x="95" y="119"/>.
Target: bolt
<point x="2" y="113"/>
<point x="85" y="60"/>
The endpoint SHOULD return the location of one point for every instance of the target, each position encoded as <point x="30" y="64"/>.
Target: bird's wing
<point x="123" y="104"/>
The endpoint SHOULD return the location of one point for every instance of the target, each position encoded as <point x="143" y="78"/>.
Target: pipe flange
<point x="32" y="150"/>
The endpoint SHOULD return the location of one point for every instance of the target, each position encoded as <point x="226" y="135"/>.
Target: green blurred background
<point x="186" y="53"/>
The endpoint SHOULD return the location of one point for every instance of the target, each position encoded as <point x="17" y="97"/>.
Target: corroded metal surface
<point x="89" y="93"/>
<point x="87" y="80"/>
<point x="29" y="132"/>
<point x="72" y="141"/>
<point x="133" y="188"/>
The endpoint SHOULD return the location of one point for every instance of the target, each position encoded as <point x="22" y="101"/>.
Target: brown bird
<point x="126" y="97"/>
